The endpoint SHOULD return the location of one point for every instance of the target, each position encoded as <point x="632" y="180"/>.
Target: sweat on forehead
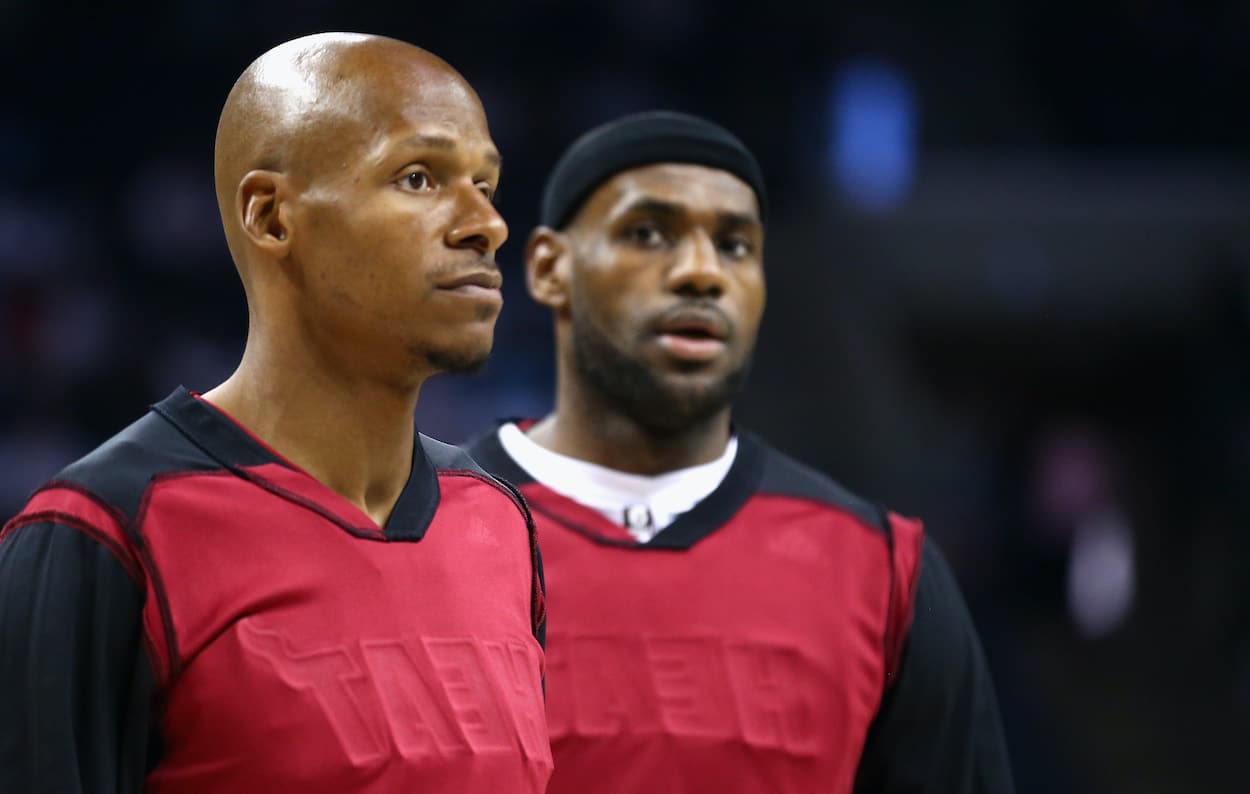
<point x="638" y="140"/>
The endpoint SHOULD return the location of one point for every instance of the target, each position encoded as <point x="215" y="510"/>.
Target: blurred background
<point x="1008" y="271"/>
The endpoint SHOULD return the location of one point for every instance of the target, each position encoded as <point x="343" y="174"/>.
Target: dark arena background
<point x="1008" y="291"/>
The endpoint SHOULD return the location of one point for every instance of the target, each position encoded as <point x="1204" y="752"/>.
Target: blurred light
<point x="872" y="134"/>
<point x="1071" y="479"/>
<point x="1101" y="573"/>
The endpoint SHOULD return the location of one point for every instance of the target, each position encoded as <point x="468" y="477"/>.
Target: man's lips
<point x="693" y="335"/>
<point x="691" y="348"/>
<point x="480" y="285"/>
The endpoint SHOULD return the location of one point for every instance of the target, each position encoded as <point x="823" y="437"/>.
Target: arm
<point x="75" y="681"/>
<point x="937" y="730"/>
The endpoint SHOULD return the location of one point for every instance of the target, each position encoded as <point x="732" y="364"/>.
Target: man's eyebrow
<point x="736" y="219"/>
<point x="432" y="141"/>
<point x="672" y="209"/>
<point x="654" y="205"/>
<point x="445" y="142"/>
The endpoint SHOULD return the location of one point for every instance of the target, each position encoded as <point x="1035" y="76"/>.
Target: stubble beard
<point x="458" y="362"/>
<point x="663" y="406"/>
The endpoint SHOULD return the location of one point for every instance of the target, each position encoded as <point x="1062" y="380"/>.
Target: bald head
<point x="306" y="106"/>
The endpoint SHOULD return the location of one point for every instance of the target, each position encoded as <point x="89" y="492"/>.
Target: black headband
<point x="656" y="136"/>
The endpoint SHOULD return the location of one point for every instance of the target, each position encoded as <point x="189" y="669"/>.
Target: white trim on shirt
<point x="623" y="498"/>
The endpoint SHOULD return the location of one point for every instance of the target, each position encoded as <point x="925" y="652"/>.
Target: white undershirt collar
<point x="643" y="504"/>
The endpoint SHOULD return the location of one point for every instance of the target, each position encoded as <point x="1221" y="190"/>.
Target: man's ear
<point x="548" y="265"/>
<point x="263" y="212"/>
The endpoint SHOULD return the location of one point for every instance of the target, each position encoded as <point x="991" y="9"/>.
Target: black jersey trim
<point x="117" y="473"/>
<point x="224" y="441"/>
<point x="487" y="450"/>
<point x="418" y="502"/>
<point x="213" y="432"/>
<point x="740" y="484"/>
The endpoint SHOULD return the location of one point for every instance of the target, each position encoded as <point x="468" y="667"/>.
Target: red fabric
<point x="753" y="661"/>
<point x="296" y="656"/>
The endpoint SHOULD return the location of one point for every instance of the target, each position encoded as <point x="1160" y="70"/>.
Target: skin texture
<point x="670" y="247"/>
<point x="354" y="177"/>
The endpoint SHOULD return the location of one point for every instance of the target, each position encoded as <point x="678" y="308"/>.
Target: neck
<point x="352" y="433"/>
<point x="587" y="427"/>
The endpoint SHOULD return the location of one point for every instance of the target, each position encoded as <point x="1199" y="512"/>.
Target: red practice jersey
<point x="767" y="641"/>
<point x="184" y="611"/>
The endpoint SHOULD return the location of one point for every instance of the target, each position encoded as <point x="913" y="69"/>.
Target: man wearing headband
<point x="725" y="619"/>
<point x="279" y="586"/>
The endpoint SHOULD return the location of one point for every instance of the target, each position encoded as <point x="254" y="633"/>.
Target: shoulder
<point x="118" y="472"/>
<point x="937" y="727"/>
<point x="448" y="457"/>
<point x="449" y="460"/>
<point x="88" y="508"/>
<point x="784" y="476"/>
<point x="902" y="538"/>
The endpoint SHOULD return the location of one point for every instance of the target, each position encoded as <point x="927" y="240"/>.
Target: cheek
<point x="324" y="246"/>
<point x="751" y="305"/>
<point x="760" y="299"/>
<point x="376" y="269"/>
<point x="611" y="308"/>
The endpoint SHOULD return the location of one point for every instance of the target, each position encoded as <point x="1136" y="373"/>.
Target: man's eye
<point x="735" y="248"/>
<point x="417" y="180"/>
<point x="647" y="236"/>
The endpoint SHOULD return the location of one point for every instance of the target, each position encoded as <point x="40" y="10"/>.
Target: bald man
<point x="278" y="586"/>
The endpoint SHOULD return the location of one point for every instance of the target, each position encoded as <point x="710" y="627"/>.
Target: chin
<point x="467" y="359"/>
<point x="697" y="397"/>
<point x="694" y="380"/>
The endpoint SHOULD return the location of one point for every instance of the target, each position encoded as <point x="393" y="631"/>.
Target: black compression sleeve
<point x="938" y="730"/>
<point x="75" y="682"/>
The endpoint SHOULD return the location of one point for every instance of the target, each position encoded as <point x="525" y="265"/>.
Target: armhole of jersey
<point x="68" y="504"/>
<point x="538" y="584"/>
<point x="904" y="537"/>
<point x="538" y="592"/>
